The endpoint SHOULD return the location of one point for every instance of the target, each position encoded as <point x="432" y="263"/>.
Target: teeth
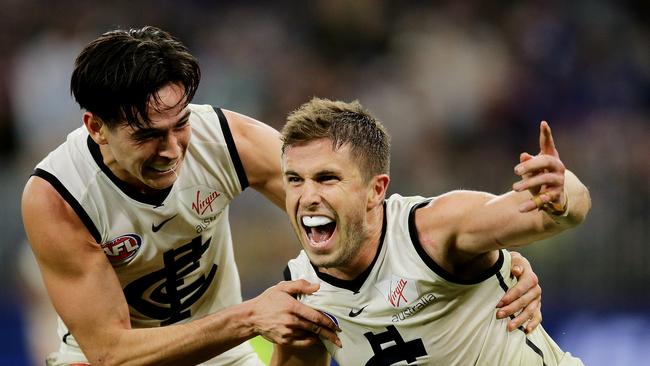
<point x="162" y="168"/>
<point x="311" y="221"/>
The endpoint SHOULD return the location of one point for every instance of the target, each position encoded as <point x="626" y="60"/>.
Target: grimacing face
<point x="326" y="200"/>
<point x="150" y="158"/>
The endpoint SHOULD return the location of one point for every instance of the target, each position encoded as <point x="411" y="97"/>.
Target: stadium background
<point x="460" y="85"/>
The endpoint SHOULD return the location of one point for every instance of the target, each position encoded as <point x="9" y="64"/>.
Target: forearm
<point x="578" y="199"/>
<point x="182" y="344"/>
<point x="544" y="224"/>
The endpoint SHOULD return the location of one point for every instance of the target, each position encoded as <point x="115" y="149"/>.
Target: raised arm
<point x="87" y="295"/>
<point x="259" y="146"/>
<point x="547" y="200"/>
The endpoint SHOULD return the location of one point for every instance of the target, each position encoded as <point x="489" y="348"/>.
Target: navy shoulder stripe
<point x="232" y="148"/>
<point x="287" y="273"/>
<point x="435" y="266"/>
<point x="68" y="197"/>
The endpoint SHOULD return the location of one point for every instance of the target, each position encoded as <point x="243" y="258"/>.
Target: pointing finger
<point x="546" y="143"/>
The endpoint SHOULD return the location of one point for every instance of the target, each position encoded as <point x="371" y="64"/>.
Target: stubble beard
<point x="350" y="243"/>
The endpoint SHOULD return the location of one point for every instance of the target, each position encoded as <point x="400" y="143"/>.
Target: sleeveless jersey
<point x="172" y="253"/>
<point x="406" y="310"/>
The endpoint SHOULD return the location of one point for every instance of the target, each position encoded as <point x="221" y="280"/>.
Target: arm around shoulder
<point x="259" y="147"/>
<point x="87" y="295"/>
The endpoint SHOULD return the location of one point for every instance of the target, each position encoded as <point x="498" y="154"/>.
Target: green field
<point x="263" y="348"/>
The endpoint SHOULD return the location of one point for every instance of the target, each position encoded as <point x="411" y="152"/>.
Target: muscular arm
<point x="87" y="295"/>
<point x="478" y="222"/>
<point x="463" y="226"/>
<point x="259" y="146"/>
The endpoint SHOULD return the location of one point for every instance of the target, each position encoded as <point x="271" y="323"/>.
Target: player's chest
<point x="402" y="319"/>
<point x="137" y="233"/>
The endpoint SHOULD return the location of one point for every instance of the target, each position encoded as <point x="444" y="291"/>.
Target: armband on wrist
<point x="555" y="208"/>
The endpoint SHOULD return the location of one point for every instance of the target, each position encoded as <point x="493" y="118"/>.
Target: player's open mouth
<point x="163" y="168"/>
<point x="319" y="229"/>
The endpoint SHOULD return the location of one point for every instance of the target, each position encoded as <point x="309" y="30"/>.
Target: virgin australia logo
<point x="201" y="205"/>
<point x="398" y="291"/>
<point x="397" y="294"/>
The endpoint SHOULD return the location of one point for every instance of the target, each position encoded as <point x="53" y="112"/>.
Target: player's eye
<point x="328" y="178"/>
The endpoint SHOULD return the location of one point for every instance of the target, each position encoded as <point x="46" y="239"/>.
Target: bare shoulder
<point x="50" y="221"/>
<point x="40" y="200"/>
<point x="244" y="126"/>
<point x="440" y="223"/>
<point x="448" y="210"/>
<point x="259" y="147"/>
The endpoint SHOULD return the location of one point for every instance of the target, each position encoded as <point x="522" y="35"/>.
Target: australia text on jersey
<point x="411" y="310"/>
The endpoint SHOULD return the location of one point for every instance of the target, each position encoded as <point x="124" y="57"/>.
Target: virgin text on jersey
<point x="200" y="205"/>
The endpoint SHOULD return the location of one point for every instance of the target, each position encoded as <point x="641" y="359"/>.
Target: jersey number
<point x="398" y="351"/>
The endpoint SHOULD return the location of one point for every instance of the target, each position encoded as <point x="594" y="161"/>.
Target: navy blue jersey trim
<point x="355" y="284"/>
<point x="68" y="197"/>
<point x="65" y="338"/>
<point x="155" y="199"/>
<point x="437" y="268"/>
<point x="232" y="148"/>
<point x="286" y="273"/>
<point x="529" y="343"/>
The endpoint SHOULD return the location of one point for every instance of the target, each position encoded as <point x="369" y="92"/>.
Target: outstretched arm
<point x="547" y="200"/>
<point x="82" y="284"/>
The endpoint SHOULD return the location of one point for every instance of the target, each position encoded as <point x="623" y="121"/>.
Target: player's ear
<point x="377" y="190"/>
<point x="96" y="128"/>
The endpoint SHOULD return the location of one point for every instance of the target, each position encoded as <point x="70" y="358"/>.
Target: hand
<point x="280" y="318"/>
<point x="542" y="175"/>
<point x="526" y="296"/>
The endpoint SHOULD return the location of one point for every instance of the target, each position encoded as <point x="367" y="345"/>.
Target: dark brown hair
<point x="118" y="74"/>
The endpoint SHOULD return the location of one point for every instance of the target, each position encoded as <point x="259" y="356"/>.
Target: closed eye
<point x="328" y="178"/>
<point x="146" y="135"/>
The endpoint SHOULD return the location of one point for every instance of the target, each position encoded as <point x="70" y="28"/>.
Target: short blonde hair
<point x="343" y="123"/>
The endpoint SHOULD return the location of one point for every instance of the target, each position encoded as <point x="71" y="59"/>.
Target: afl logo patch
<point x="123" y="248"/>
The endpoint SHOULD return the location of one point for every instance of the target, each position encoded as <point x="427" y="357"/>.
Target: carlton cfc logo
<point x="122" y="248"/>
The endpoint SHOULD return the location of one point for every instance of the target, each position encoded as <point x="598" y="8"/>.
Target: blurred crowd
<point x="460" y="85"/>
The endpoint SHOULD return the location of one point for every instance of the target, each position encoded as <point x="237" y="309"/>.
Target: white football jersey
<point x="406" y="310"/>
<point x="173" y="252"/>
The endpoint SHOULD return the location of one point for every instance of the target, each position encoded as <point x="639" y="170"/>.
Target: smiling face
<point x="149" y="158"/>
<point x="332" y="208"/>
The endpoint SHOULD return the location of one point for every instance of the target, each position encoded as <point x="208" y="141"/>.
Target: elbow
<point x="104" y="354"/>
<point x="103" y="358"/>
